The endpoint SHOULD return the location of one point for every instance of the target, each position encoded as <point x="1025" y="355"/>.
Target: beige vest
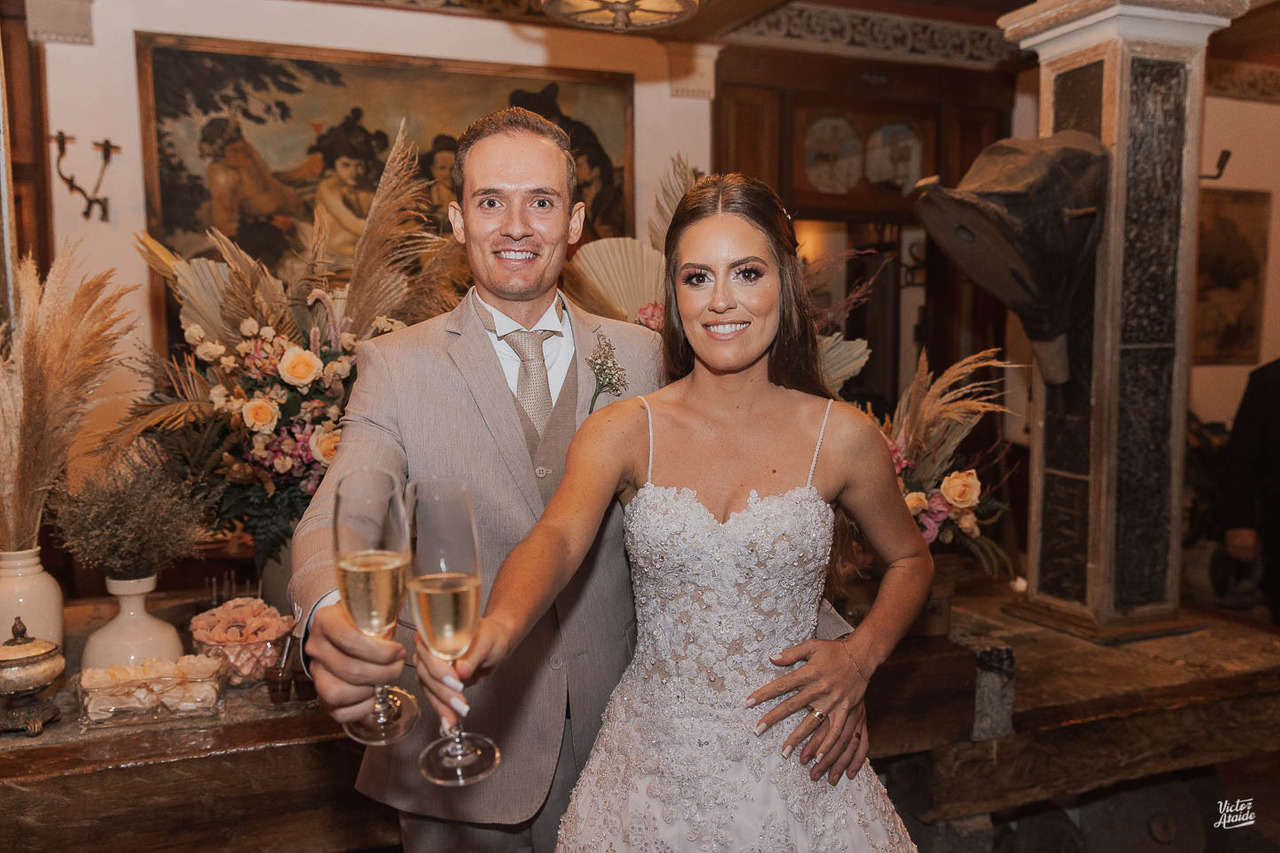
<point x="548" y="452"/>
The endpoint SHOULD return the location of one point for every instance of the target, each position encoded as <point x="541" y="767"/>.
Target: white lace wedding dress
<point x="677" y="765"/>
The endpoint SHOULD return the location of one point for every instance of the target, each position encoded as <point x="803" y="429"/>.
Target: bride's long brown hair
<point x="793" y="355"/>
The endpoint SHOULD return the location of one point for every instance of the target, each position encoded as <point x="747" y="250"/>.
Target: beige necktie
<point x="532" y="388"/>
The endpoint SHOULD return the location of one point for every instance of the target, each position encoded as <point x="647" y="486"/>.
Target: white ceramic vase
<point x="27" y="590"/>
<point x="134" y="634"/>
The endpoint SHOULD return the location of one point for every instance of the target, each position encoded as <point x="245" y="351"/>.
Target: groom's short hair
<point x="513" y="121"/>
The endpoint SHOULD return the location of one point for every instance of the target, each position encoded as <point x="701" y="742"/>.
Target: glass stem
<point x="385" y="709"/>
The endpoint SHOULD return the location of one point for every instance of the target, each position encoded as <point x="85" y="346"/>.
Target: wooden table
<point x="265" y="777"/>
<point x="281" y="777"/>
<point x="1088" y="716"/>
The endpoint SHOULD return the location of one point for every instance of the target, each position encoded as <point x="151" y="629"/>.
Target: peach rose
<point x="300" y="367"/>
<point x="961" y="489"/>
<point x="260" y="414"/>
<point x="917" y="502"/>
<point x="324" y="444"/>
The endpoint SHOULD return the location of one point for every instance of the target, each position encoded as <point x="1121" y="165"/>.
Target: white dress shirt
<point x="557" y="349"/>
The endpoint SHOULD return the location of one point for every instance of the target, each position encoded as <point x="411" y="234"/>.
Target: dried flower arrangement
<point x="54" y="354"/>
<point x="130" y="520"/>
<point x="252" y="415"/>
<point x="932" y="418"/>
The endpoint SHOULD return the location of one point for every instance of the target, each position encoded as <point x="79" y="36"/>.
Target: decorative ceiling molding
<point x="868" y="35"/>
<point x="1244" y="81"/>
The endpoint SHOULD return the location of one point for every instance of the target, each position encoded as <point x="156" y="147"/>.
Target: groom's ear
<point x="455" y="219"/>
<point x="577" y="218"/>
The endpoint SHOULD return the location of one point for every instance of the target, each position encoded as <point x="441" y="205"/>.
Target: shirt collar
<point x="552" y="321"/>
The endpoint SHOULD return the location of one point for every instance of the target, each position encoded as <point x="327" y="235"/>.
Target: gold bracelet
<point x="853" y="661"/>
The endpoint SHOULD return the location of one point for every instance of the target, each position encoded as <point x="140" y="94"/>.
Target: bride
<point x="729" y="475"/>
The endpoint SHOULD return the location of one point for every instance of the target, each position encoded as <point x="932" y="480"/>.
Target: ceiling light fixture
<point x="620" y="15"/>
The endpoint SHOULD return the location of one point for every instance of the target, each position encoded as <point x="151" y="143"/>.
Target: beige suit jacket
<point x="431" y="400"/>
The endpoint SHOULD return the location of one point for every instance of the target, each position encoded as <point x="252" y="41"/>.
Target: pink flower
<point x="938" y="507"/>
<point x="928" y="527"/>
<point x="651" y="315"/>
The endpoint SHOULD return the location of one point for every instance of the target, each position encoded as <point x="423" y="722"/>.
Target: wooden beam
<point x="718" y="18"/>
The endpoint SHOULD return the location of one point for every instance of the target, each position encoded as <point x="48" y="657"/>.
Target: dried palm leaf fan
<point x="627" y="272"/>
<point x="1024" y="224"/>
<point x="841" y="359"/>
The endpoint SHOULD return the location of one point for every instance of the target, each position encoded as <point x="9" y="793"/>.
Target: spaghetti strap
<point x="812" y="465"/>
<point x="648" y="477"/>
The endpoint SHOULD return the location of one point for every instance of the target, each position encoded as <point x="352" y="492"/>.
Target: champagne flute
<point x="372" y="550"/>
<point x="445" y="594"/>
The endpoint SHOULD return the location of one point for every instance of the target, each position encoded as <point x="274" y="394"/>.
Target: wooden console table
<point x="269" y="777"/>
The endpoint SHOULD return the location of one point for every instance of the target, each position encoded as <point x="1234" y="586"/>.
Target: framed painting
<point x="860" y="157"/>
<point x="1231" y="266"/>
<point x="254" y="138"/>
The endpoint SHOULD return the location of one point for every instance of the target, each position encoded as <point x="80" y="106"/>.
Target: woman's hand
<point x="832" y="680"/>
<point x="443" y="682"/>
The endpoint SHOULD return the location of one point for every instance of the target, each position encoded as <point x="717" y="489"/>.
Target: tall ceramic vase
<point x="134" y="634"/>
<point x="27" y="590"/>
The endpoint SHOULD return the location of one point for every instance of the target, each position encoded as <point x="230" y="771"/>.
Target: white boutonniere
<point x="611" y="377"/>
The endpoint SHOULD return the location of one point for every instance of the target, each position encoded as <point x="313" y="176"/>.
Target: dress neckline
<point x="754" y="499"/>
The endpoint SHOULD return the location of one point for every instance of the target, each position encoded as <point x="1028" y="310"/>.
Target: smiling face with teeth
<point x="516" y="219"/>
<point x="727" y="293"/>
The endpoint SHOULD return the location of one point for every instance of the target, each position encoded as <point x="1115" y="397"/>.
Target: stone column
<point x="1107" y="448"/>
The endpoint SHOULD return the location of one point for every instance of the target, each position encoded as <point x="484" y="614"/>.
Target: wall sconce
<point x="1223" y="156"/>
<point x="91" y="199"/>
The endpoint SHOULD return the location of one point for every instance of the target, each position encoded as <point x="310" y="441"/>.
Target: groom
<point x="491" y="392"/>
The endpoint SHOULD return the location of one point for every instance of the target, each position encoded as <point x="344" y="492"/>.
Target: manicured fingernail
<point x="787" y="750"/>
<point x="760" y="729"/>
<point x="750" y="703"/>
<point x="458" y="705"/>
<point x="452" y="683"/>
<point x="818" y="760"/>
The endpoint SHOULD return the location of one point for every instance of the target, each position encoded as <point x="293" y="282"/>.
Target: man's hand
<point x="347" y="665"/>
<point x="1242" y="543"/>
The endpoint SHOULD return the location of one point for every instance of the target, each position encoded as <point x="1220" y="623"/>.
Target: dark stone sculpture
<point x="1024" y="224"/>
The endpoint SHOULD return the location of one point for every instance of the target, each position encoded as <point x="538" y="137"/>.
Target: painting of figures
<point x="1231" y="263"/>
<point x="258" y="140"/>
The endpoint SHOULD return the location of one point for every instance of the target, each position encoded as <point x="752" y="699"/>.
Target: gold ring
<point x="817" y="715"/>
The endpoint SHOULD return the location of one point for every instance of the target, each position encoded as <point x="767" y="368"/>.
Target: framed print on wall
<point x="1231" y="265"/>
<point x="253" y="138"/>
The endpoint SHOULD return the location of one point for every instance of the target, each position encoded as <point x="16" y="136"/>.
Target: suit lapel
<point x="473" y="355"/>
<point x="585" y="327"/>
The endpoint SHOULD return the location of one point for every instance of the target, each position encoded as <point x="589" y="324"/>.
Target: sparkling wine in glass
<point x="372" y="551"/>
<point x="445" y="594"/>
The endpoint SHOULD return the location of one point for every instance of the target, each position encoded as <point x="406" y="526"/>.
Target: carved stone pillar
<point x="1107" y="447"/>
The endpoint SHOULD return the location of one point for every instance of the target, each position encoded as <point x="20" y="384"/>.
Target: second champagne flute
<point x="371" y="543"/>
<point x="445" y="593"/>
